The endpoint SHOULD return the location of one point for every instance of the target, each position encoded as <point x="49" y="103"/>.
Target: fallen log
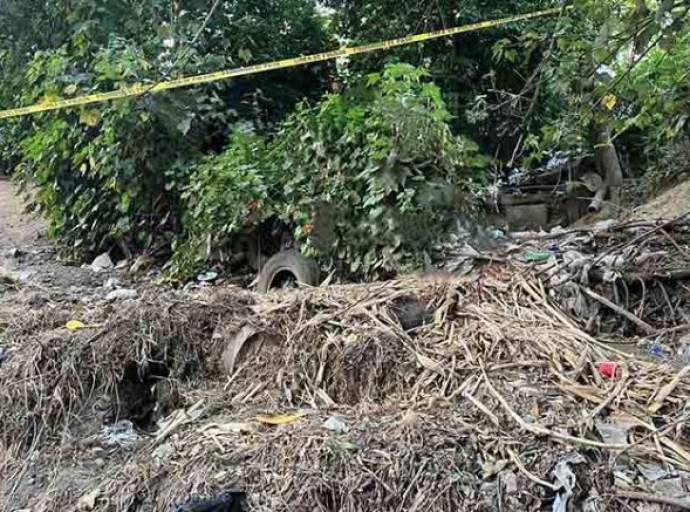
<point x="597" y="276"/>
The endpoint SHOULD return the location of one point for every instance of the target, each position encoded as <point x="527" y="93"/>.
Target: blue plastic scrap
<point x="656" y="350"/>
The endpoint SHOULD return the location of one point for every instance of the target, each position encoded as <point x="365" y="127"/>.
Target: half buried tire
<point x="288" y="268"/>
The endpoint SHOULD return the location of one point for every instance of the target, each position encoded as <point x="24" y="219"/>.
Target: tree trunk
<point x="609" y="166"/>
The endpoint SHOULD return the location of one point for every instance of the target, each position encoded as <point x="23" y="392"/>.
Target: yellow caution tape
<point x="139" y="89"/>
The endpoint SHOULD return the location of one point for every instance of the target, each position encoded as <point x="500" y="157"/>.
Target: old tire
<point x="286" y="265"/>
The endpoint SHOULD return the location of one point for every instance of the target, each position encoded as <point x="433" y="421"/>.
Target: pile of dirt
<point x="430" y="393"/>
<point x="118" y="352"/>
<point x="670" y="204"/>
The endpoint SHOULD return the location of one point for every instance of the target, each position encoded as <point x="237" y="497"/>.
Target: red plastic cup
<point x="610" y="370"/>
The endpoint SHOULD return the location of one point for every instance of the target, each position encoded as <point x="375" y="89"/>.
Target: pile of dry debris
<point x="486" y="392"/>
<point x="622" y="279"/>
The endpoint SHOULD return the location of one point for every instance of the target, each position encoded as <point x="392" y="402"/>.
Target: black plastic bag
<point x="231" y="500"/>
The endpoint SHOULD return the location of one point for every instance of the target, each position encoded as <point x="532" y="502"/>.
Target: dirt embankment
<point x="27" y="254"/>
<point x="670" y="204"/>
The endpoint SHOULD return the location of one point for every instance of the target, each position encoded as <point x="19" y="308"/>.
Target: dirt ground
<point x="27" y="254"/>
<point x="17" y="228"/>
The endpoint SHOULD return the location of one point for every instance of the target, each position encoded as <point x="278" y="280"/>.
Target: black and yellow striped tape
<point x="139" y="89"/>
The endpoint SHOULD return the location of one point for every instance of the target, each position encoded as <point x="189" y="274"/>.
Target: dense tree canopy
<point x="464" y="66"/>
<point x="599" y="75"/>
<point x="110" y="173"/>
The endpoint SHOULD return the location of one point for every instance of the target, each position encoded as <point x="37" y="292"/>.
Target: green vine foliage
<point x="463" y="66"/>
<point x="103" y="174"/>
<point x="658" y="90"/>
<point x="227" y="196"/>
<point x="112" y="174"/>
<point x="621" y="64"/>
<point x="658" y="123"/>
<point x="377" y="164"/>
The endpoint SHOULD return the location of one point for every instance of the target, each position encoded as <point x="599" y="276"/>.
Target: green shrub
<point x="227" y="196"/>
<point x="112" y="173"/>
<point x="380" y="157"/>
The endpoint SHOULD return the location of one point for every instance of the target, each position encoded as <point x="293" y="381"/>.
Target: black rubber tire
<point x="305" y="270"/>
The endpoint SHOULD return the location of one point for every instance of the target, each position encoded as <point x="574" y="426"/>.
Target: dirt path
<point x="29" y="256"/>
<point x="17" y="228"/>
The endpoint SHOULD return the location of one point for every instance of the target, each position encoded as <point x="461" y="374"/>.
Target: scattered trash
<point x="234" y="347"/>
<point x="281" y="419"/>
<point x="121" y="434"/>
<point x="142" y="264"/>
<point x="652" y="472"/>
<point x="612" y="433"/>
<point x="497" y="234"/>
<point x="207" y="277"/>
<point x="685" y="353"/>
<point x="4" y="354"/>
<point x="566" y="480"/>
<point x="529" y="419"/>
<point x="111" y="283"/>
<point x="230" y="500"/>
<point x="75" y="325"/>
<point x="556" y="253"/>
<point x="671" y="488"/>
<point x="610" y="370"/>
<point x="535" y="256"/>
<point x="88" y="501"/>
<point x="121" y="294"/>
<point x="575" y="259"/>
<point x="336" y="425"/>
<point x="507" y="323"/>
<point x="656" y="350"/>
<point x="102" y="263"/>
<point x="350" y="446"/>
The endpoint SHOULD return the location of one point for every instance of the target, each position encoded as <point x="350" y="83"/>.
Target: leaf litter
<point x="492" y="402"/>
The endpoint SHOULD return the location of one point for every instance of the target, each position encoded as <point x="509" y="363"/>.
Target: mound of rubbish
<point x="477" y="392"/>
<point x="625" y="279"/>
